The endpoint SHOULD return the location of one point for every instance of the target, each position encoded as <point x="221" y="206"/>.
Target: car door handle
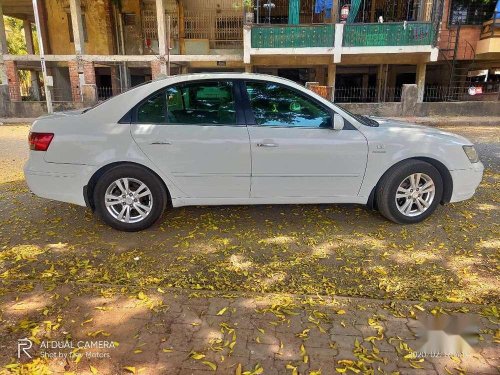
<point x="267" y="145"/>
<point x="161" y="143"/>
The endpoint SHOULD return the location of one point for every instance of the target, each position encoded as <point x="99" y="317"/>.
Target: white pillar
<point x="421" y="70"/>
<point x="3" y="48"/>
<point x="48" y="94"/>
<point x="339" y="37"/>
<point x="247" y="44"/>
<point x="29" y="37"/>
<point x="76" y="21"/>
<point x="162" y="34"/>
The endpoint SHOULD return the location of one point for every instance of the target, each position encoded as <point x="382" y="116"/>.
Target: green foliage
<point x="16" y="43"/>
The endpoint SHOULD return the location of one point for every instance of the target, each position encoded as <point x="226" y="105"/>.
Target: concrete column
<point x="182" y="33"/>
<point x="76" y="20"/>
<point x="13" y="80"/>
<point x="335" y="12"/>
<point x="332" y="73"/>
<point x="28" y="36"/>
<point x="247" y="44"/>
<point x="74" y="79"/>
<point x="162" y="31"/>
<point x="162" y="38"/>
<point x="382" y="81"/>
<point x="30" y="48"/>
<point x="320" y="75"/>
<point x="3" y="48"/>
<point x="408" y="100"/>
<point x="339" y="37"/>
<point x="421" y="70"/>
<point x="248" y="68"/>
<point x="155" y="69"/>
<point x="4" y="101"/>
<point x="115" y="80"/>
<point x="364" y="85"/>
<point x="89" y="89"/>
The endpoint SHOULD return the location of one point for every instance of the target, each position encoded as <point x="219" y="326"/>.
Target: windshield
<point x="365" y="120"/>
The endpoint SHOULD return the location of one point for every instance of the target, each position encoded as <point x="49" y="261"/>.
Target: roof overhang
<point x="22" y="9"/>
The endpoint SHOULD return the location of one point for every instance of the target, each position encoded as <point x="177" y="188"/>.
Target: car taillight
<point x="40" y="141"/>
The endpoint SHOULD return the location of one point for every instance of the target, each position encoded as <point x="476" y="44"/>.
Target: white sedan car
<point x="223" y="139"/>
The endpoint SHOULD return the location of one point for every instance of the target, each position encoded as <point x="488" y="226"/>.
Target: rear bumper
<point x="466" y="181"/>
<point x="60" y="182"/>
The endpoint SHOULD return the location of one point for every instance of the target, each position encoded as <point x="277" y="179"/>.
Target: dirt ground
<point x="62" y="264"/>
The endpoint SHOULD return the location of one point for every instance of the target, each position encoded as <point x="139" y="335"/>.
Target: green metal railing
<point x="293" y="36"/>
<point x="388" y="34"/>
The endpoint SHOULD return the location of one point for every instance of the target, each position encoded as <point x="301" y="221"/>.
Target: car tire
<point x="129" y="198"/>
<point x="409" y="192"/>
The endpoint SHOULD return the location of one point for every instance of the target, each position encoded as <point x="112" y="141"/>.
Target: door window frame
<point x="250" y="117"/>
<point x="236" y="91"/>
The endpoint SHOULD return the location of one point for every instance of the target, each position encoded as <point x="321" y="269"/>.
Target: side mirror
<point x="338" y="122"/>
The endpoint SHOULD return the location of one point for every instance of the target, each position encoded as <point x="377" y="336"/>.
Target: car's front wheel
<point x="409" y="192"/>
<point x="129" y="198"/>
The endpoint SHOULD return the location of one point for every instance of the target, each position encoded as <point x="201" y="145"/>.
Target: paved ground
<point x="249" y="290"/>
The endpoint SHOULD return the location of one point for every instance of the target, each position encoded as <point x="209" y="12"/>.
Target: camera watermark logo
<point x="23" y="345"/>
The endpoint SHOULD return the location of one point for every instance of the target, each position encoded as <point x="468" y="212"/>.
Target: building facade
<point x="365" y="49"/>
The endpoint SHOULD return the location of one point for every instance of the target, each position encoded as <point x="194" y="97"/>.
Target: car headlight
<point x="471" y="153"/>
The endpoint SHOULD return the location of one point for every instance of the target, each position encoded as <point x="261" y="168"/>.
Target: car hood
<point x="404" y="127"/>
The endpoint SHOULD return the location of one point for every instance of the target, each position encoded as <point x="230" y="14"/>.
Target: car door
<point x="295" y="151"/>
<point x="195" y="133"/>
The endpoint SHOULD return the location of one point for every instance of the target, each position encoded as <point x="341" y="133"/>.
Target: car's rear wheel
<point x="129" y="198"/>
<point x="409" y="192"/>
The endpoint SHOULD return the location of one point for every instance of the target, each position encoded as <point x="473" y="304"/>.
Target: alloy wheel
<point x="415" y="194"/>
<point x="128" y="200"/>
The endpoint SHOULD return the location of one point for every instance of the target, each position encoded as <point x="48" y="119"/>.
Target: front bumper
<point x="466" y="181"/>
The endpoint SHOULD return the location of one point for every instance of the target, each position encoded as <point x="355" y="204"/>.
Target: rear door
<point x="196" y="133"/>
<point x="295" y="151"/>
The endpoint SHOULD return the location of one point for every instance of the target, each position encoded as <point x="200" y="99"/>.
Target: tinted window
<point x="153" y="110"/>
<point x="277" y="105"/>
<point x="201" y="103"/>
<point x="192" y="103"/>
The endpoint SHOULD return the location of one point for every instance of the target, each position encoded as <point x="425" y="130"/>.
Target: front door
<point x="295" y="151"/>
<point x="194" y="133"/>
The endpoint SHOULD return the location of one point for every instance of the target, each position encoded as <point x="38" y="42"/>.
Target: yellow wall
<point x="99" y="37"/>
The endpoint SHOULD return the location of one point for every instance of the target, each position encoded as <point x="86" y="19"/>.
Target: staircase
<point x="460" y="58"/>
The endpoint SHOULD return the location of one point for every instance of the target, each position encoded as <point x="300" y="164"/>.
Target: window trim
<point x="250" y="117"/>
<point x="238" y="103"/>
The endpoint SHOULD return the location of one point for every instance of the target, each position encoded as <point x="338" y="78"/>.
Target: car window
<point x="153" y="110"/>
<point x="276" y="105"/>
<point x="201" y="103"/>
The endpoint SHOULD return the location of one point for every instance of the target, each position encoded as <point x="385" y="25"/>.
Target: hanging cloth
<point x="353" y="12"/>
<point x="319" y="6"/>
<point x="293" y="12"/>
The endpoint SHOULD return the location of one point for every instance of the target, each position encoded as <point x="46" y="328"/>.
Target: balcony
<point x="389" y="34"/>
<point x="292" y="36"/>
<point x="489" y="45"/>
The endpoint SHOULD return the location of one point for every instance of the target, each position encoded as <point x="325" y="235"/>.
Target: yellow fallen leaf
<point x="212" y="365"/>
<point x="222" y="311"/>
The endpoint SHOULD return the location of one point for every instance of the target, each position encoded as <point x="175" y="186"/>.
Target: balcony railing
<point x="388" y="34"/>
<point x="491" y="28"/>
<point x="293" y="36"/>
